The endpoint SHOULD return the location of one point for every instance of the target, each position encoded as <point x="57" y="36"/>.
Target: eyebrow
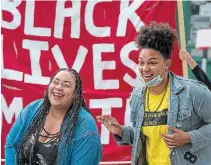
<point x="55" y="78"/>
<point x="66" y="81"/>
<point x="152" y="59"/>
<point x="149" y="59"/>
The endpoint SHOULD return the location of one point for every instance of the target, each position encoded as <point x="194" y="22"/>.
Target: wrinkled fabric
<point x="84" y="148"/>
<point x="189" y="110"/>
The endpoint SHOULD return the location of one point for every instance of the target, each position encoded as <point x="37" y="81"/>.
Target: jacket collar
<point x="176" y="85"/>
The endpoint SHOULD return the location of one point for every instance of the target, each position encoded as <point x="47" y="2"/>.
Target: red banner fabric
<point x="94" y="37"/>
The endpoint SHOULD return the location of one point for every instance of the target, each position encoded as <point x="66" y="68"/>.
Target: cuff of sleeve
<point x="125" y="139"/>
<point x="194" y="70"/>
<point x="195" y="138"/>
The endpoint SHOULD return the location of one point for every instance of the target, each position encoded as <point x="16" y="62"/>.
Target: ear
<point x="168" y="64"/>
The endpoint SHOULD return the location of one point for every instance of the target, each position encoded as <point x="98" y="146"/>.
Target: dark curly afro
<point x="157" y="36"/>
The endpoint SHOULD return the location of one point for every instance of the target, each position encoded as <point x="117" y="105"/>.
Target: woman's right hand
<point x="184" y="55"/>
<point x="111" y="124"/>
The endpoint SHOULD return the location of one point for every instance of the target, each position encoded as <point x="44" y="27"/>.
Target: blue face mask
<point x="152" y="83"/>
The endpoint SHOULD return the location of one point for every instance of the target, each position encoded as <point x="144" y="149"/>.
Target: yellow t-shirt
<point x="154" y="124"/>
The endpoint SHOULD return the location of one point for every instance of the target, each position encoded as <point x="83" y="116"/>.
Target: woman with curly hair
<point x="170" y="115"/>
<point x="58" y="129"/>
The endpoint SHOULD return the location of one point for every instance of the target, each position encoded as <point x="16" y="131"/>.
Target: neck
<point x="160" y="88"/>
<point x="57" y="113"/>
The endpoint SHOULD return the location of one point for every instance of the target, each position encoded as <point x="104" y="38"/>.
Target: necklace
<point x="50" y="136"/>
<point x="160" y="101"/>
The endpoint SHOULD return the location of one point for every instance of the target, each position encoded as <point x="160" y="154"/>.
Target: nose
<point x="59" y="87"/>
<point x="145" y="68"/>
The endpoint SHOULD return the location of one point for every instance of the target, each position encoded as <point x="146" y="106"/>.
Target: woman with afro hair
<point x="170" y="115"/>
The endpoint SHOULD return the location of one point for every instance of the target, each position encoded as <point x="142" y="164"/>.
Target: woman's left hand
<point x="178" y="138"/>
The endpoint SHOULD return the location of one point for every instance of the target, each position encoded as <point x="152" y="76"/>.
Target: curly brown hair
<point x="157" y="36"/>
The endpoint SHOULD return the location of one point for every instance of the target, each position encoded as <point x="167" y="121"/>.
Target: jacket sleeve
<point x="128" y="131"/>
<point x="127" y="136"/>
<point x="10" y="147"/>
<point x="87" y="150"/>
<point x="202" y="76"/>
<point x="202" y="137"/>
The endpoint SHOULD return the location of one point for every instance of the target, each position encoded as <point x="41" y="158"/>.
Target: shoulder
<point x="189" y="87"/>
<point x="36" y="103"/>
<point x="136" y="95"/>
<point x="24" y="119"/>
<point x="138" y="91"/>
<point x="31" y="108"/>
<point x="195" y="84"/>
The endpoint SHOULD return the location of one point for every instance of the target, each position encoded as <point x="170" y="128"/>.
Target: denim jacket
<point x="189" y="110"/>
<point x="84" y="148"/>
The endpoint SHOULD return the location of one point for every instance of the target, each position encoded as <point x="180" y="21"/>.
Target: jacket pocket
<point x="184" y="121"/>
<point x="184" y="114"/>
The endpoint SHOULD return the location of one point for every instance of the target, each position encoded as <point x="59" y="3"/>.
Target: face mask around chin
<point x="152" y="83"/>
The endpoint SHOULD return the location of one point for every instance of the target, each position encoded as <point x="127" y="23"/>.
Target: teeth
<point x="147" y="75"/>
<point x="57" y="95"/>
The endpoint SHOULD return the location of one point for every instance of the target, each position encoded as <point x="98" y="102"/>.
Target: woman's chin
<point x="55" y="102"/>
